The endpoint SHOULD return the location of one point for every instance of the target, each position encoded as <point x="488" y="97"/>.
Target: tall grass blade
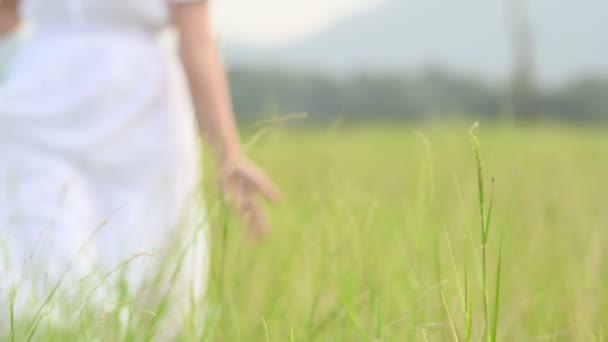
<point x="451" y="321"/>
<point x="497" y="293"/>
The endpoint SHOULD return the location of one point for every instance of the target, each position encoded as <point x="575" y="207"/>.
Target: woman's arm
<point x="243" y="182"/>
<point x="206" y="78"/>
<point x="9" y="17"/>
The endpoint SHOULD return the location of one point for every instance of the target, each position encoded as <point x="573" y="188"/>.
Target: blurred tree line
<point x="433" y="94"/>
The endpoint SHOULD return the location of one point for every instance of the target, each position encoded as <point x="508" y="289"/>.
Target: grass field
<point x="381" y="238"/>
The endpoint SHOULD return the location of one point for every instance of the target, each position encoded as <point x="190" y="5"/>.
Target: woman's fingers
<point x="254" y="216"/>
<point x="242" y="196"/>
<point x="232" y="192"/>
<point x="244" y="184"/>
<point x="256" y="220"/>
<point x="264" y="185"/>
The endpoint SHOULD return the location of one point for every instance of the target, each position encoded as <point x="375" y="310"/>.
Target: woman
<point x="99" y="148"/>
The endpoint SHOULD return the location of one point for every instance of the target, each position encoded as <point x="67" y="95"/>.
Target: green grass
<point x="404" y="234"/>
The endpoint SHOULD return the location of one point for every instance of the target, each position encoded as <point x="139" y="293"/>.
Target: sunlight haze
<point x="270" y="21"/>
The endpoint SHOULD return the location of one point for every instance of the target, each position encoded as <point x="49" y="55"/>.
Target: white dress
<point x="98" y="154"/>
<point x="8" y="44"/>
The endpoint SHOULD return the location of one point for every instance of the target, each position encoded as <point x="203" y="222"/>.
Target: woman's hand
<point x="244" y="186"/>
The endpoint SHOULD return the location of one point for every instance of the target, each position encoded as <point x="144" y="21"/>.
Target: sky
<point x="276" y="21"/>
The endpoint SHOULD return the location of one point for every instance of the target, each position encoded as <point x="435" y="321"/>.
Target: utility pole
<point x="524" y="92"/>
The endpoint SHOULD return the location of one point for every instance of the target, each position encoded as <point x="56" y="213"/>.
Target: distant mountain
<point x="461" y="35"/>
